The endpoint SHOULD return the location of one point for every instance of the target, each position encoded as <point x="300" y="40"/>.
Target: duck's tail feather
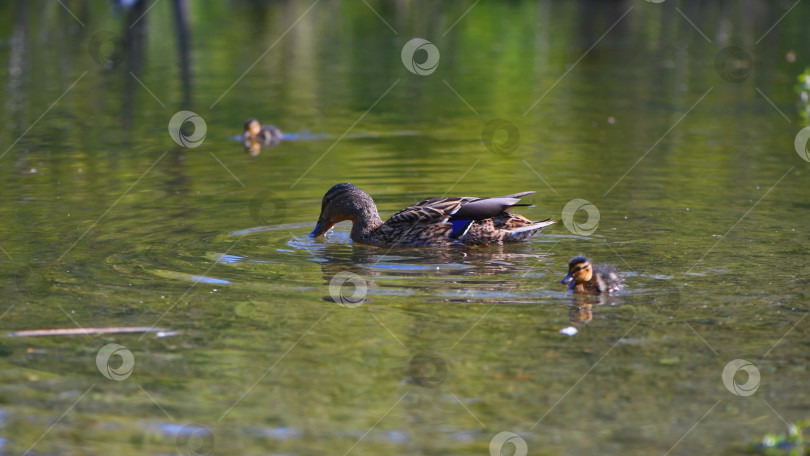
<point x="534" y="226"/>
<point x="517" y="195"/>
<point x="524" y="232"/>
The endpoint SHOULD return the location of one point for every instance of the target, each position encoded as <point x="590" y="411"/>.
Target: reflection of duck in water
<point x="434" y="221"/>
<point x="581" y="312"/>
<point x="584" y="277"/>
<point x="257" y="135"/>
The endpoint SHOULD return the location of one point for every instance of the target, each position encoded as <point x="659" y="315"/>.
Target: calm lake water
<point x="660" y="135"/>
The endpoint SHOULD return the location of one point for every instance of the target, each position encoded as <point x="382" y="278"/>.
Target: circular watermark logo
<point x="348" y="289"/>
<point x="409" y="56"/>
<point x="428" y="370"/>
<point x="800" y="143"/>
<point x="504" y="439"/>
<point x="104" y="364"/>
<point x="195" y="440"/>
<point x="107" y="49"/>
<point x="500" y="136"/>
<point x="570" y="211"/>
<point x="733" y="64"/>
<point x="751" y="383"/>
<point x="187" y="129"/>
<point x="267" y="208"/>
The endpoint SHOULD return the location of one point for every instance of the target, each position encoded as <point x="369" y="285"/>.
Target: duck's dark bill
<point x="320" y="228"/>
<point x="567" y="279"/>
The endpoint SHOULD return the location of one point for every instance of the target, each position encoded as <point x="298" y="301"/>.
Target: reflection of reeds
<point x="803" y="88"/>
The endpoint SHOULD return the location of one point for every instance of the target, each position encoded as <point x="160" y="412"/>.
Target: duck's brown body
<point x="435" y="221"/>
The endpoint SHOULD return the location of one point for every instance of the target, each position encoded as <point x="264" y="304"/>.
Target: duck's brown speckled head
<point x="344" y="202"/>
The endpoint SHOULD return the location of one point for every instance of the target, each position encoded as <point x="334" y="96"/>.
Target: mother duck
<point x="434" y="221"/>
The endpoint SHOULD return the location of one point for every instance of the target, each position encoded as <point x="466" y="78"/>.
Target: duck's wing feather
<point x="484" y="208"/>
<point x="440" y="210"/>
<point x="433" y="210"/>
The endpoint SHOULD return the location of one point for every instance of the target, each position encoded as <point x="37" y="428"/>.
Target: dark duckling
<point x="266" y="134"/>
<point x="257" y="135"/>
<point x="585" y="277"/>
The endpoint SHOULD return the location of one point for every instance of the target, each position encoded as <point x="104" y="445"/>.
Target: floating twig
<point x="84" y="331"/>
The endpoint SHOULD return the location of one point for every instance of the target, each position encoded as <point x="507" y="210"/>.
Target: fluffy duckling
<point x="584" y="277"/>
<point x="266" y="134"/>
<point x="257" y="135"/>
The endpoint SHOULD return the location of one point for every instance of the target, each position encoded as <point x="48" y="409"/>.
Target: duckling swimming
<point x="266" y="134"/>
<point x="584" y="277"/>
<point x="257" y="135"/>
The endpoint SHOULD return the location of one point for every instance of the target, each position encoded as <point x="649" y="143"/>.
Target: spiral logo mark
<point x="195" y="441"/>
<point x="508" y="438"/>
<point x="409" y="56"/>
<point x="570" y="211"/>
<point x="730" y="371"/>
<point x="800" y="143"/>
<point x="733" y="64"/>
<point x="267" y="208"/>
<point x="339" y="290"/>
<point x="107" y="49"/>
<point x="428" y="370"/>
<point x="491" y="130"/>
<point x="187" y="129"/>
<point x="121" y="372"/>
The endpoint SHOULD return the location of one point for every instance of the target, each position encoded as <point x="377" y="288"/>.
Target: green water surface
<point x="687" y="157"/>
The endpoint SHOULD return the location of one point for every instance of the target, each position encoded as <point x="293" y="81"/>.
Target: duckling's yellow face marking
<point x="253" y="127"/>
<point x="581" y="272"/>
